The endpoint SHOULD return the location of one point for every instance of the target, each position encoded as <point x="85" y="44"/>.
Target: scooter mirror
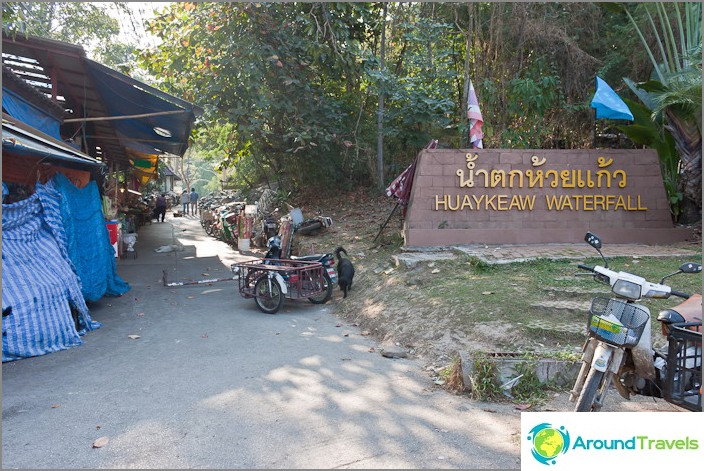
<point x="593" y="240"/>
<point x="690" y="267"/>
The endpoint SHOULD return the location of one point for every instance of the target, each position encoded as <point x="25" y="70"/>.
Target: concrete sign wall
<point x="538" y="196"/>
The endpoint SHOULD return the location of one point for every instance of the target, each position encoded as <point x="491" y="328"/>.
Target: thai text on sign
<point x="536" y="177"/>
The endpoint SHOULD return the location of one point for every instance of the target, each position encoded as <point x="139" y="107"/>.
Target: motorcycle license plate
<point x="333" y="275"/>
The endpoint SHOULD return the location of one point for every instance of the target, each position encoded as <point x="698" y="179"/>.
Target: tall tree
<point x="284" y="75"/>
<point x="86" y="24"/>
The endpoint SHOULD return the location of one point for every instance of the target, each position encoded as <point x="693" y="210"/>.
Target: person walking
<point x="160" y="209"/>
<point x="194" y="202"/>
<point x="185" y="199"/>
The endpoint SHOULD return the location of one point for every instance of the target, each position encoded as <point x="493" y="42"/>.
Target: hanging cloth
<point x="87" y="239"/>
<point x="39" y="282"/>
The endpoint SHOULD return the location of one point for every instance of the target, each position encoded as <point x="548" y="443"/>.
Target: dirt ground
<point x="388" y="302"/>
<point x="378" y="302"/>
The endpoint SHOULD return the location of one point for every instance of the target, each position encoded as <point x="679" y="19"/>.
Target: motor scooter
<point x="267" y="228"/>
<point x="619" y="351"/>
<point x="225" y="224"/>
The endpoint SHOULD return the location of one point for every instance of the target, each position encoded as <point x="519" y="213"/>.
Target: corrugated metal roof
<point x="90" y="90"/>
<point x="20" y="138"/>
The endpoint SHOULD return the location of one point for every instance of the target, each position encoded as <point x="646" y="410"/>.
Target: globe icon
<point x="548" y="443"/>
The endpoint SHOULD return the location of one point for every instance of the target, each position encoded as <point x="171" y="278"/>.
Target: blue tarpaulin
<point x="608" y="104"/>
<point x="123" y="96"/>
<point x="39" y="281"/>
<point x="87" y="239"/>
<point x="19" y="108"/>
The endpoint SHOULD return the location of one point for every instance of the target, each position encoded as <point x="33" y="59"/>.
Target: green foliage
<point x="278" y="74"/>
<point x="530" y="97"/>
<point x="290" y="89"/>
<point x="673" y="45"/>
<point x="86" y="24"/>
<point x="484" y="383"/>
<point x="528" y="388"/>
<point x="652" y="133"/>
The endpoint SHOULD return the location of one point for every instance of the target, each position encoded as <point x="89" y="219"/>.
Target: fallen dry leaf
<point x="101" y="442"/>
<point x="55" y="406"/>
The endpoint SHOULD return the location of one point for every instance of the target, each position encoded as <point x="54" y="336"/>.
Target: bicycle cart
<point x="271" y="281"/>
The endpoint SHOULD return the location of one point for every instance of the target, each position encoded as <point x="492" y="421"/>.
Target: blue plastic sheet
<point x="26" y="112"/>
<point x="87" y="239"/>
<point x="608" y="104"/>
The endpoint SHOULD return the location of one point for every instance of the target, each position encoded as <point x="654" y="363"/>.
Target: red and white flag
<point x="400" y="188"/>
<point x="476" y="121"/>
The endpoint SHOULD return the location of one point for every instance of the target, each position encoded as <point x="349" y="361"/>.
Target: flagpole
<point x="468" y="143"/>
<point x="594" y="125"/>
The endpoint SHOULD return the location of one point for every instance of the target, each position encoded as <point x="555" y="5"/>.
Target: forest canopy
<point x="299" y="93"/>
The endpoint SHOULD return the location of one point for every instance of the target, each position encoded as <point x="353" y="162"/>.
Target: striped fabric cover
<point x="38" y="280"/>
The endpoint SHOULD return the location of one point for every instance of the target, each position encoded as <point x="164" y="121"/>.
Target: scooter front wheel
<point x="587" y="401"/>
<point x="268" y="295"/>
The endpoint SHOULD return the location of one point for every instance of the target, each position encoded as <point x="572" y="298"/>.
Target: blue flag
<point x="608" y="104"/>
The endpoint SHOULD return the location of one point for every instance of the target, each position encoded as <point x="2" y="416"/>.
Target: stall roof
<point x="167" y="172"/>
<point x="126" y="121"/>
<point x="22" y="139"/>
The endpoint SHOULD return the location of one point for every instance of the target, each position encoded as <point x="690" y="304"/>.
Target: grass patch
<point x="486" y="382"/>
<point x="515" y="294"/>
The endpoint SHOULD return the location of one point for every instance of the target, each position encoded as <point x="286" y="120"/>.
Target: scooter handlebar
<point x="680" y="294"/>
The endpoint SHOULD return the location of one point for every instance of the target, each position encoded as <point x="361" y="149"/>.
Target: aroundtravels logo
<point x="548" y="442"/>
<point x="565" y="440"/>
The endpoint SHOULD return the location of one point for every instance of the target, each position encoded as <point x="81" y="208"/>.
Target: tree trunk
<point x="380" y="111"/>
<point x="688" y="141"/>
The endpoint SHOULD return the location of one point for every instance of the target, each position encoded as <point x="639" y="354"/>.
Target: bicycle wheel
<point x="268" y="295"/>
<point x="323" y="297"/>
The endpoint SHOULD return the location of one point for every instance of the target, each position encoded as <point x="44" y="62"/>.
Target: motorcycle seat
<point x="309" y="258"/>
<point x="670" y="316"/>
<point x="688" y="311"/>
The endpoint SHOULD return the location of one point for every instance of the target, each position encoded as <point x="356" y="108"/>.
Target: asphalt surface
<point x="212" y="382"/>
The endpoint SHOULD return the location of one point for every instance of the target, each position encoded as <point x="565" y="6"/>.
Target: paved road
<point x="211" y="382"/>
